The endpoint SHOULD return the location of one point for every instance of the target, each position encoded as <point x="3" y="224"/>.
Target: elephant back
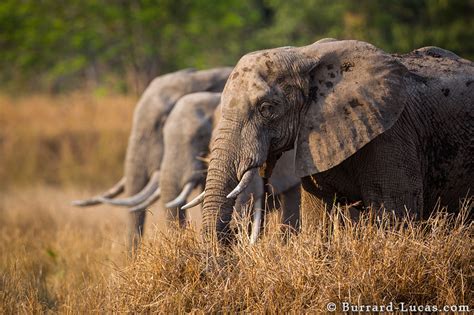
<point x="436" y="65"/>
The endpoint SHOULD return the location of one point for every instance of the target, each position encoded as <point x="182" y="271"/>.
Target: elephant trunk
<point x="221" y="180"/>
<point x="234" y="162"/>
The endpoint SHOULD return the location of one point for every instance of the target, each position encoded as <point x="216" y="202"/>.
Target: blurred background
<point x="71" y="71"/>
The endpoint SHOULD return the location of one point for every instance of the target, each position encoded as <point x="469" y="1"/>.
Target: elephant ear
<point x="356" y="93"/>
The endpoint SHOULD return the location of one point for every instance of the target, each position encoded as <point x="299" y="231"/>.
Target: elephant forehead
<point x="257" y="75"/>
<point x="261" y="64"/>
<point x="248" y="89"/>
<point x="243" y="76"/>
<point x="266" y="68"/>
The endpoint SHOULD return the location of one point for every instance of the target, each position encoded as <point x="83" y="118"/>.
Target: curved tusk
<point x="244" y="182"/>
<point x="145" y="204"/>
<point x="140" y="197"/>
<point x="112" y="192"/>
<point x="199" y="199"/>
<point x="181" y="199"/>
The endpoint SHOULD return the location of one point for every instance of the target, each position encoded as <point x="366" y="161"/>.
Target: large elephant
<point x="145" y="146"/>
<point x="187" y="135"/>
<point x="366" y="126"/>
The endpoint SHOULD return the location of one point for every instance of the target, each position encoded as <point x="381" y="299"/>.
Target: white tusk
<point x="154" y="197"/>
<point x="257" y="221"/>
<point x="256" y="226"/>
<point x="199" y="199"/>
<point x="112" y="192"/>
<point x="181" y="199"/>
<point x="140" y="197"/>
<point x="244" y="182"/>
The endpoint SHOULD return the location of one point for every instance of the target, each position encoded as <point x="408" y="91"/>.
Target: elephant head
<point x="145" y="146"/>
<point x="186" y="138"/>
<point x="325" y="100"/>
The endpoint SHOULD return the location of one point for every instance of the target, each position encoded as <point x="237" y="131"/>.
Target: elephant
<point x="186" y="140"/>
<point x="391" y="132"/>
<point x="145" y="146"/>
<point x="187" y="134"/>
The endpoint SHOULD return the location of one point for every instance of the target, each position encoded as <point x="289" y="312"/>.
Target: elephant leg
<point x="401" y="202"/>
<point x="290" y="207"/>
<point x="177" y="215"/>
<point x="137" y="223"/>
<point x="315" y="203"/>
<point x="136" y="179"/>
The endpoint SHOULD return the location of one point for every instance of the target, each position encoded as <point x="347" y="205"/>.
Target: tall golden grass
<point x="76" y="139"/>
<point x="56" y="258"/>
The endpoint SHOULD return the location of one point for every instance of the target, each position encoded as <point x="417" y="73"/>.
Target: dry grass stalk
<point x="55" y="258"/>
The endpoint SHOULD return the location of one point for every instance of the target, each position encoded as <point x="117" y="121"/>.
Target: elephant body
<point x="387" y="130"/>
<point x="187" y="134"/>
<point x="425" y="157"/>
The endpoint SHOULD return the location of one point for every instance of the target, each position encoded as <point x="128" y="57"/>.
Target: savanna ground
<point x="57" y="258"/>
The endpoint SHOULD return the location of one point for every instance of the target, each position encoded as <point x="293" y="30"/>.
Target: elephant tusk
<point x="181" y="199"/>
<point x="140" y="197"/>
<point x="257" y="221"/>
<point x="112" y="192"/>
<point x="154" y="197"/>
<point x="244" y="182"/>
<point x="199" y="199"/>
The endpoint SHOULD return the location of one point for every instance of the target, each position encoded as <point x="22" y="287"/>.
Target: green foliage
<point x="57" y="45"/>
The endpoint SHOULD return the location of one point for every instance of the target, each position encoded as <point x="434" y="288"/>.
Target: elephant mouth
<point x="266" y="169"/>
<point x="245" y="180"/>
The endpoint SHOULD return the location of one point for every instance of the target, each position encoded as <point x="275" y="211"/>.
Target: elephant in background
<point x="145" y="146"/>
<point x="186" y="140"/>
<point x="187" y="134"/>
<point x="387" y="130"/>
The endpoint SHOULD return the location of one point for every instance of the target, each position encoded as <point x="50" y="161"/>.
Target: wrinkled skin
<point x="186" y="141"/>
<point x="187" y="134"/>
<point x="145" y="146"/>
<point x="366" y="126"/>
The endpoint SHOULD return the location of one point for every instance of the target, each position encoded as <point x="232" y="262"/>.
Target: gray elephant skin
<point x="387" y="130"/>
<point x="187" y="134"/>
<point x="145" y="147"/>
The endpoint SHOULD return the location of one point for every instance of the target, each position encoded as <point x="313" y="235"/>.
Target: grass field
<point x="61" y="259"/>
<point x="78" y="139"/>
<point x="56" y="258"/>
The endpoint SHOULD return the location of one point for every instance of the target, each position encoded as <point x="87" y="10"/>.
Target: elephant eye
<point x="267" y="109"/>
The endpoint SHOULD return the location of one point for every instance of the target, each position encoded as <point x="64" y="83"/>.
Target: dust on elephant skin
<point x="384" y="129"/>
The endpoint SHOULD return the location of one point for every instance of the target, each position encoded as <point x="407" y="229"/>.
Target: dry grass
<point x="74" y="139"/>
<point x="54" y="258"/>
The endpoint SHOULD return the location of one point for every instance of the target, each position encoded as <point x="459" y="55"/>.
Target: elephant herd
<point x="334" y="121"/>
